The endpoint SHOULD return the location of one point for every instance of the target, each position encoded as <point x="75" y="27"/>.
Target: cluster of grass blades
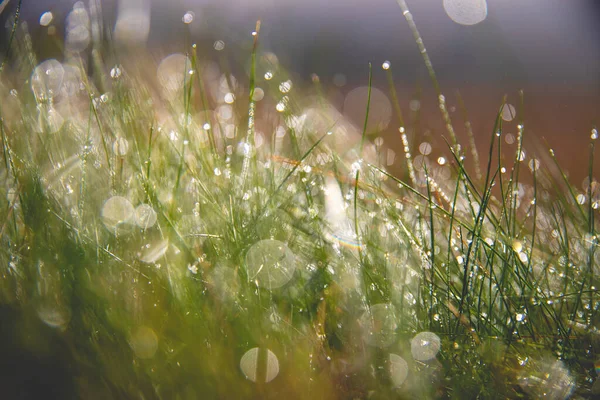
<point x="157" y="244"/>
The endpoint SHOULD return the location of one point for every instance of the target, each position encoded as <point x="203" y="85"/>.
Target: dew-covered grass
<point x="199" y="235"/>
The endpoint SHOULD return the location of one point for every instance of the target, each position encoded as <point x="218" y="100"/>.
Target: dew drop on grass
<point x="466" y="12"/>
<point x="386" y="65"/>
<point x="285" y="87"/>
<point x="594" y="134"/>
<point x="441" y="161"/>
<point x="47" y="79"/>
<point x="425" y="346"/>
<point x="145" y="216"/>
<point x="270" y="263"/>
<point x="229" y="98"/>
<point x="46" y="18"/>
<point x="280" y="106"/>
<point x="268" y="367"/>
<point x="116" y="212"/>
<point x="380" y="324"/>
<point x="115" y="72"/>
<point x="398" y="370"/>
<point x="144" y="342"/>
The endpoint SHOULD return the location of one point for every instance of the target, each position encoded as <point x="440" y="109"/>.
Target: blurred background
<point x="482" y="49"/>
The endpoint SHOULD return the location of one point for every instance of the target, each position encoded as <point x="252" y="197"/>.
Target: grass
<point x="155" y="248"/>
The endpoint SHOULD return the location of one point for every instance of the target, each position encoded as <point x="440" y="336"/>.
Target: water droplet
<point x="285" y="87"/>
<point x="46" y="18"/>
<point x="386" y="65"/>
<point x="280" y="106"/>
<point x="594" y="134"/>
<point x="188" y="17"/>
<point x="425" y="346"/>
<point x="229" y="98"/>
<point x="115" y="72"/>
<point x="441" y="161"/>
<point x="270" y="263"/>
<point x="268" y="75"/>
<point x="249" y="364"/>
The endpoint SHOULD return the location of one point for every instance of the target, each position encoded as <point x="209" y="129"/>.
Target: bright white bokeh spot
<point x="280" y="106"/>
<point x="47" y="79"/>
<point x="425" y="346"/>
<point x="380" y="324"/>
<point x="46" y="18"/>
<point x="145" y="216"/>
<point x="115" y="72"/>
<point x="249" y="364"/>
<point x="270" y="263"/>
<point x="229" y="98"/>
<point x="144" y="342"/>
<point x="116" y="212"/>
<point x="466" y="12"/>
<point x="188" y="17"/>
<point x="398" y="370"/>
<point x="508" y="112"/>
<point x="172" y="72"/>
<point x="268" y="75"/>
<point x="441" y="161"/>
<point x="120" y="147"/>
<point x="386" y="65"/>
<point x="285" y="87"/>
